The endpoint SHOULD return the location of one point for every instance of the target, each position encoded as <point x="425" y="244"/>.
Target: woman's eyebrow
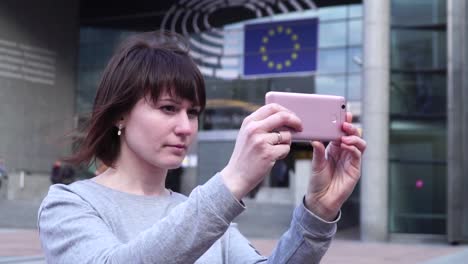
<point x="170" y="100"/>
<point x="177" y="101"/>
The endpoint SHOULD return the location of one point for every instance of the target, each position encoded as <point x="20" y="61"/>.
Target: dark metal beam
<point x="142" y="15"/>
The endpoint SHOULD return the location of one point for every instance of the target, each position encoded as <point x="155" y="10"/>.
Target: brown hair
<point x="144" y="66"/>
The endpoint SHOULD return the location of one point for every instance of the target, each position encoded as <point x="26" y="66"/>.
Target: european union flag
<point x="281" y="47"/>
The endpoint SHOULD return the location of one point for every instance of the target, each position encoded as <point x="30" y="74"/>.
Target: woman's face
<point x="159" y="134"/>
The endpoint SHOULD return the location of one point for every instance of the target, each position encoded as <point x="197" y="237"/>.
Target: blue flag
<point x="281" y="47"/>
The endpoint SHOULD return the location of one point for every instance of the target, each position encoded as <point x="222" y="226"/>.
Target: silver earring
<point x="120" y="130"/>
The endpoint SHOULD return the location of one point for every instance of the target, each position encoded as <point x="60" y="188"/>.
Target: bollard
<point x="21" y="180"/>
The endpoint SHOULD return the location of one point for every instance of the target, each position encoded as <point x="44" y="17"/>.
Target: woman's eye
<point x="194" y="113"/>
<point x="169" y="108"/>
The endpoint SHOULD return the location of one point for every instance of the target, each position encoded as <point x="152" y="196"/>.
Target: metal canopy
<point x="185" y="16"/>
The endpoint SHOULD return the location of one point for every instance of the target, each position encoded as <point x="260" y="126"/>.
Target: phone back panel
<point x="322" y="115"/>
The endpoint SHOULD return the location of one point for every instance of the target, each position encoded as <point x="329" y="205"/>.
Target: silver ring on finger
<point x="280" y="138"/>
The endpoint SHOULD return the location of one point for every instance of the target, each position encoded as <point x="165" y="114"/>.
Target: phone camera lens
<point x="343" y="106"/>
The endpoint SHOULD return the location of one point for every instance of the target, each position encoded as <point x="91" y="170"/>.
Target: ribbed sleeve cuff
<point x="221" y="200"/>
<point x="314" y="224"/>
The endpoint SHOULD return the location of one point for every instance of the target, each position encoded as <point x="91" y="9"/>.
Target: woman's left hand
<point x="335" y="172"/>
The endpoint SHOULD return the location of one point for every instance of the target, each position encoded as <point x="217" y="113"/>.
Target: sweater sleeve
<point x="306" y="241"/>
<point x="71" y="231"/>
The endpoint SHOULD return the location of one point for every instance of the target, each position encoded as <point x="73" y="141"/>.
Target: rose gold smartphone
<point x="322" y="115"/>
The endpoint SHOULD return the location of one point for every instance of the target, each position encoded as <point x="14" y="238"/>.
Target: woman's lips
<point x="178" y="148"/>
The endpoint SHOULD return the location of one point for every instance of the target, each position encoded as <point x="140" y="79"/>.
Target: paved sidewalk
<point x="351" y="251"/>
<point x="22" y="246"/>
<point x="19" y="242"/>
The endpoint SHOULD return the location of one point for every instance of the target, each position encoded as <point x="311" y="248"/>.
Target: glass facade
<point x="340" y="41"/>
<point x="95" y="49"/>
<point x="230" y="97"/>
<point x="418" y="117"/>
<point x="338" y="71"/>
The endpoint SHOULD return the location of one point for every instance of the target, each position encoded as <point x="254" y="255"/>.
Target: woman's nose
<point x="184" y="125"/>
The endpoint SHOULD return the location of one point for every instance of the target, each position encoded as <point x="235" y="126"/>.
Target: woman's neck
<point x="134" y="176"/>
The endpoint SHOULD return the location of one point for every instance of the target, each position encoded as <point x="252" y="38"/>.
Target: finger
<point x="354" y="152"/>
<point x="281" y="119"/>
<point x="287" y="137"/>
<point x="280" y="137"/>
<point x="335" y="143"/>
<point x="349" y="117"/>
<point x="318" y="152"/>
<point x="280" y="151"/>
<point x="350" y="129"/>
<point x="355" y="141"/>
<point x="275" y="138"/>
<point x="266" y="111"/>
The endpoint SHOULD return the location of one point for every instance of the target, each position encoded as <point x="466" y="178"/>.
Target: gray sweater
<point x="86" y="222"/>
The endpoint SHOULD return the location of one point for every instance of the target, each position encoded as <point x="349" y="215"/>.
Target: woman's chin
<point x="167" y="163"/>
<point x="176" y="166"/>
<point x="173" y="164"/>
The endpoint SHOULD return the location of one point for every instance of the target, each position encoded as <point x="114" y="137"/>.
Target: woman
<point x="144" y="118"/>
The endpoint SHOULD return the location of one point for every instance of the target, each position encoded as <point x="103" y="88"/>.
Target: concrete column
<point x="457" y="121"/>
<point x="375" y="122"/>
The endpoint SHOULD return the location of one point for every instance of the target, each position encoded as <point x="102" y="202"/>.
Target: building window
<point x="418" y="128"/>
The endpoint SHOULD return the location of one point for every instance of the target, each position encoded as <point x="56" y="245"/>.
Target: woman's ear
<point x="120" y="121"/>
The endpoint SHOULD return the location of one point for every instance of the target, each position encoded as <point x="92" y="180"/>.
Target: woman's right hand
<point x="258" y="147"/>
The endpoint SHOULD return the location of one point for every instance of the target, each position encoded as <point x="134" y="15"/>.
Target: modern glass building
<point x="400" y="64"/>
<point x="417" y="149"/>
